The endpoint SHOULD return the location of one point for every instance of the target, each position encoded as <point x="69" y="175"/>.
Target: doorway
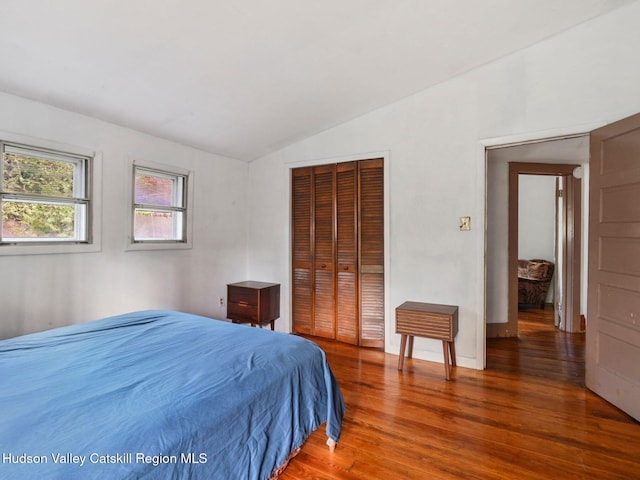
<point x="538" y="228"/>
<point x="568" y="237"/>
<point x="556" y="157"/>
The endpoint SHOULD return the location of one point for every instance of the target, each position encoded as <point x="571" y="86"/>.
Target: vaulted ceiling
<point x="243" y="78"/>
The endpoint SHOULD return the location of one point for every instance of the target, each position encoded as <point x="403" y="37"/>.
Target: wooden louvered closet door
<point x="338" y="252"/>
<point x="324" y="251"/>
<point x="347" y="253"/>
<point x="302" y="255"/>
<point x="371" y="216"/>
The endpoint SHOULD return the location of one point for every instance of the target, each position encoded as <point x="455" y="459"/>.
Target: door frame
<point x="572" y="252"/>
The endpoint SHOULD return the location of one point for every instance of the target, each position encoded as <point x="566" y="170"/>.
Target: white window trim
<point x="95" y="205"/>
<point x="169" y="245"/>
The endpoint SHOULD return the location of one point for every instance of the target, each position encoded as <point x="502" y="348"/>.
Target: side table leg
<point x="410" y="352"/>
<point x="452" y="346"/>
<point x="445" y="348"/>
<point x="403" y="345"/>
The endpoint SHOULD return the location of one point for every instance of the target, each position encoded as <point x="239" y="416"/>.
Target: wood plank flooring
<point x="528" y="416"/>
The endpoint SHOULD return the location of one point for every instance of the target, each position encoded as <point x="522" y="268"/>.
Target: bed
<point x="161" y="394"/>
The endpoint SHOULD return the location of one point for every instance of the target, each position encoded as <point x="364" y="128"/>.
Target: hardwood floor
<point x="528" y="416"/>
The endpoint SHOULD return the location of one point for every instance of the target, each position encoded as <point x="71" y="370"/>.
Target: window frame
<point x="90" y="198"/>
<point x="167" y="171"/>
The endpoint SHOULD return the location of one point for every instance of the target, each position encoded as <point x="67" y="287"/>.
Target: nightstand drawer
<point x="242" y="310"/>
<point x="243" y="296"/>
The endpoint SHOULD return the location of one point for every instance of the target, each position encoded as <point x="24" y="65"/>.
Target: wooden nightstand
<point x="257" y="303"/>
<point x="428" y="320"/>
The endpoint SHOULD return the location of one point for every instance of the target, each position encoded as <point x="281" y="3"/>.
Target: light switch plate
<point x="465" y="223"/>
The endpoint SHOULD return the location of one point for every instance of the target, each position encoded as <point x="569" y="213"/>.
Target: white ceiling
<point x="243" y="78"/>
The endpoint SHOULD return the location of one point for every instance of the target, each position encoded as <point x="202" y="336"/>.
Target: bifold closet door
<point x="338" y="252"/>
<point x="313" y="256"/>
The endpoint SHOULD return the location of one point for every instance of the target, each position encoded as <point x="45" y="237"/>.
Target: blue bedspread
<point x="160" y="394"/>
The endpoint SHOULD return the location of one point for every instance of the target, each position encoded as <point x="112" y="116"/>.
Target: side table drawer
<point x="427" y="320"/>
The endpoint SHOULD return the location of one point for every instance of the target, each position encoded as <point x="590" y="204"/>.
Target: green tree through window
<point x="43" y="195"/>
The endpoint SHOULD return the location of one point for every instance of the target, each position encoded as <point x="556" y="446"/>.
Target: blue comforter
<point x="160" y="394"/>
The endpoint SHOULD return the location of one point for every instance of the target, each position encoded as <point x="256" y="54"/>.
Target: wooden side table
<point x="428" y="320"/>
<point x="253" y="302"/>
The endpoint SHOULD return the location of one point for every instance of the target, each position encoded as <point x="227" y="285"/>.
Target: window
<point x="159" y="206"/>
<point x="44" y="196"/>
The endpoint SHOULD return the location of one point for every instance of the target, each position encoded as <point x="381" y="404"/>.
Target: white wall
<point x="42" y="291"/>
<point x="436" y="167"/>
<point x="537" y="212"/>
